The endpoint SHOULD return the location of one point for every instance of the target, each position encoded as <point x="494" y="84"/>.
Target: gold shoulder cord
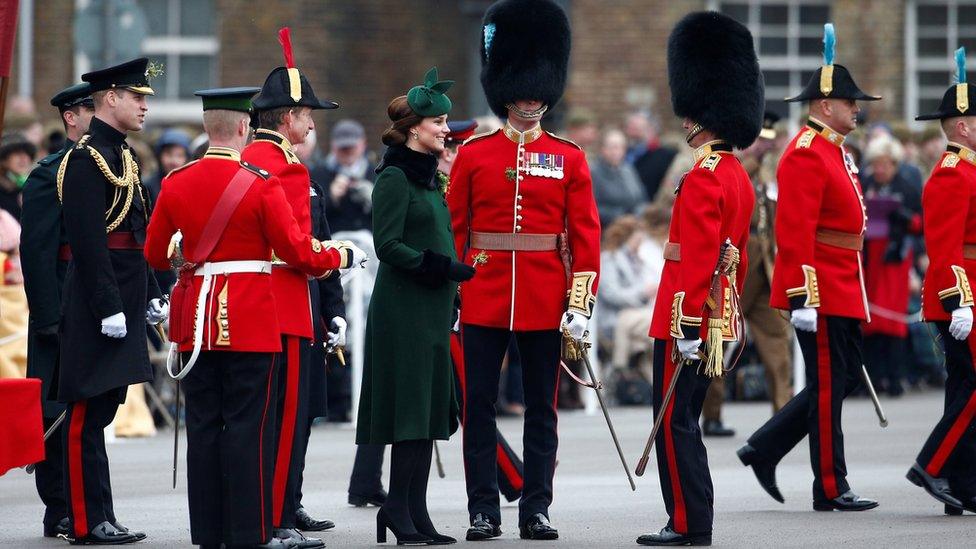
<point x="128" y="181"/>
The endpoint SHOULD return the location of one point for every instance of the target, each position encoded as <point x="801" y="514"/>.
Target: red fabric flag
<point x="8" y="29"/>
<point x="21" y="426"/>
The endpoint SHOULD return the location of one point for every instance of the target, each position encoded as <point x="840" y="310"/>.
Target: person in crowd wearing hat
<point x="284" y="115"/>
<point x="229" y="227"/>
<point x="44" y="266"/>
<point x="407" y="397"/>
<point x="109" y="292"/>
<point x="172" y="151"/>
<point x="16" y="159"/>
<point x="717" y="89"/>
<point x="768" y="330"/>
<point x="348" y="175"/>
<point x="944" y="466"/>
<point x="818" y="278"/>
<point x="523" y="274"/>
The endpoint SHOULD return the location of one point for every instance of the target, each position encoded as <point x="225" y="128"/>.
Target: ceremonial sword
<point x="874" y="397"/>
<point x="47" y="434"/>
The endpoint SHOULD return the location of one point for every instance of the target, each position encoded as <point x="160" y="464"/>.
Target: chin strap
<point x="695" y="130"/>
<point x="527" y="115"/>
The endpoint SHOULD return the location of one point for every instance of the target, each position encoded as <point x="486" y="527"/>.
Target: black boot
<point x="418" y="498"/>
<point x="765" y="472"/>
<point x="848" y="501"/>
<point x="395" y="512"/>
<point x="483" y="527"/>
<point x="538" y="527"/>
<point x="715" y="428"/>
<point x="667" y="536"/>
<point x="306" y="523"/>
<point x="375" y="499"/>
<point x="936" y="487"/>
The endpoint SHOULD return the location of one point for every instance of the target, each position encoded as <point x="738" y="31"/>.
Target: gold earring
<point x="415" y="136"/>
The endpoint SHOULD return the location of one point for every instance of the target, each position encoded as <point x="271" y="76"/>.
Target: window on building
<point x="789" y="42"/>
<point x="933" y="31"/>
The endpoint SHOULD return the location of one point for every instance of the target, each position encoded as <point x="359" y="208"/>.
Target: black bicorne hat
<point x="714" y="76"/>
<point x="959" y="99"/>
<point x="831" y="81"/>
<point x="524" y="53"/>
<point x="286" y="86"/>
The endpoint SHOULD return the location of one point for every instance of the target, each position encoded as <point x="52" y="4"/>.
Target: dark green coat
<point x="408" y="380"/>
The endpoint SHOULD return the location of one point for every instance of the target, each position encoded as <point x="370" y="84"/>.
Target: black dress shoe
<point x="59" y="530"/>
<point x="105" y="534"/>
<point x="376" y="499"/>
<point x="935" y="486"/>
<point x="764" y="471"/>
<point x="273" y="544"/>
<point x="715" y="428"/>
<point x="538" y="527"/>
<point x="297" y="538"/>
<point x="848" y="501"/>
<point x="667" y="536"/>
<point x="952" y="511"/>
<point x="482" y="528"/>
<point x="139" y="535"/>
<point x="306" y="523"/>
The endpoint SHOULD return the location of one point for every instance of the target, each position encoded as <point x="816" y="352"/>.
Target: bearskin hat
<point x="714" y="76"/>
<point x="524" y="52"/>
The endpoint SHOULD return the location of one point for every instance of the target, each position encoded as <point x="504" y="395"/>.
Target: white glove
<point x="359" y="257"/>
<point x="689" y="348"/>
<point x="962" y="323"/>
<point x="114" y="326"/>
<point x="576" y="322"/>
<point x="337" y="338"/>
<point x="157" y="311"/>
<point x="804" y="319"/>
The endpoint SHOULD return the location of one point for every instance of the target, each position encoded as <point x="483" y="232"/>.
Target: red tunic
<point x="262" y="220"/>
<point x="818" y="191"/>
<point x="541" y="187"/>
<point x="949" y="210"/>
<point x="272" y="151"/>
<point x="714" y="202"/>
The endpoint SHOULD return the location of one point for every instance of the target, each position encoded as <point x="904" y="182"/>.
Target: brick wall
<point x="53" y="56"/>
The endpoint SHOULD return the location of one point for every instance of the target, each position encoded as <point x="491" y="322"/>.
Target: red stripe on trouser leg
<point x="680" y="513"/>
<point x="75" y="468"/>
<point x="825" y="410"/>
<point x="958" y="428"/>
<point x="457" y="356"/>
<point x="290" y="410"/>
<point x="264" y="419"/>
<point x="508" y="468"/>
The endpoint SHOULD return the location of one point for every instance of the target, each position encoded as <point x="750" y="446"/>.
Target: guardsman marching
<point x="284" y="114"/>
<point x="523" y="212"/>
<point x="231" y="215"/>
<point x="818" y="277"/>
<point x="109" y="293"/>
<point x="945" y="466"/>
<point x="41" y="238"/>
<point x="718" y="91"/>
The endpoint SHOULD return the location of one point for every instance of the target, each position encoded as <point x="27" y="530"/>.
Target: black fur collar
<point x="420" y="168"/>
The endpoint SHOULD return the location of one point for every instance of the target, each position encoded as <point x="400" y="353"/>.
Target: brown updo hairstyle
<point x="403" y="119"/>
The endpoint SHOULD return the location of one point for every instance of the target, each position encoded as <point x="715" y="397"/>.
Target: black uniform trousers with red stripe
<point x="484" y="349"/>
<point x="682" y="462"/>
<point x="292" y="426"/>
<point x="950" y="451"/>
<point x="87" y="487"/>
<point x="833" y="362"/>
<point x="230" y="419"/>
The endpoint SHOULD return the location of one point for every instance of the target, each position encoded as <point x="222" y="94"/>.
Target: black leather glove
<point x="460" y="272"/>
<point x="433" y="269"/>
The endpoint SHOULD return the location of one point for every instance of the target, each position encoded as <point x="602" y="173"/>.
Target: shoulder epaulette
<point x="474" y="138"/>
<point x="564" y="140"/>
<point x="256" y="170"/>
<point x="806" y="139"/>
<point x="49" y="159"/>
<point x="83" y="142"/>
<point x="184" y="166"/>
<point x="950" y="161"/>
<point x="710" y="162"/>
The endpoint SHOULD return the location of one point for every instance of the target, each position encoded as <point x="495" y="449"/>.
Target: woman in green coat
<point x="407" y="397"/>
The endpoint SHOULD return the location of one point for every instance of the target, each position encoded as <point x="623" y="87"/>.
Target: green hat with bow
<point x="429" y="99"/>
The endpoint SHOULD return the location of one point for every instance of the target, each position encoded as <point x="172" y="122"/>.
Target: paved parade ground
<point x="594" y="506"/>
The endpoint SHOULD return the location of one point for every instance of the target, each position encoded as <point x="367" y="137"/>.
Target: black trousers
<point x="682" y="463"/>
<point x="950" y="451"/>
<point x="367" y="470"/>
<point x="484" y="349"/>
<point x="230" y="420"/>
<point x="832" y="357"/>
<point x="87" y="486"/>
<point x="49" y="476"/>
<point x="291" y="429"/>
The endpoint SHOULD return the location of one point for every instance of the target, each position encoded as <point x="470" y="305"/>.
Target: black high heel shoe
<point x="437" y="539"/>
<point x="383" y="523"/>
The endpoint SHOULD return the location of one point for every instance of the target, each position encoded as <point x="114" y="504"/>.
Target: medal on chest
<point x="542" y="164"/>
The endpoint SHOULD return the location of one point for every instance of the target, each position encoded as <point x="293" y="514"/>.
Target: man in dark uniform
<point x="42" y="236"/>
<point x="529" y="256"/>
<point x="946" y="465"/>
<point x="818" y="277"/>
<point x="717" y="89"/>
<point x="225" y="291"/>
<point x="109" y="293"/>
<point x="284" y="114"/>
